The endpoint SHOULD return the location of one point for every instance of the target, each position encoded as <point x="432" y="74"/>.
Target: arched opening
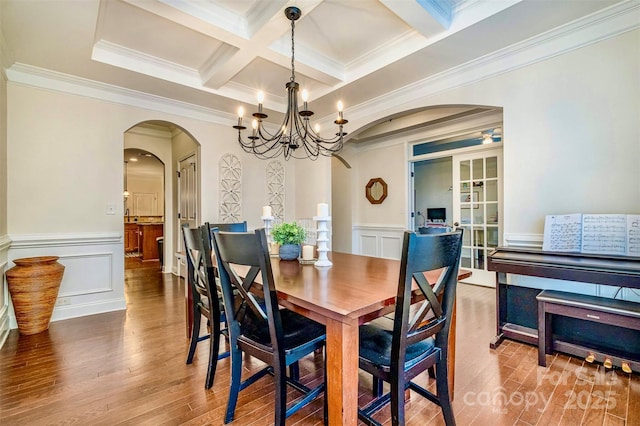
<point x="144" y="202"/>
<point x="445" y="148"/>
<point x="159" y="146"/>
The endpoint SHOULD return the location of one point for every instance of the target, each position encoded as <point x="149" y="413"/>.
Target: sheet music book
<point x="562" y="233"/>
<point x="614" y="234"/>
<point x="633" y="235"/>
<point x="604" y="234"/>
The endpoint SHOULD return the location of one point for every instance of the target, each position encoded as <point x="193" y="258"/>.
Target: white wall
<point x="377" y="228"/>
<point x="313" y="186"/>
<point x="432" y="181"/>
<point x="74" y="151"/>
<point x="4" y="238"/>
<point x="571" y="139"/>
<point x="341" y="200"/>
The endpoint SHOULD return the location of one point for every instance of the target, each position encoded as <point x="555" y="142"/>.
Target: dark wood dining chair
<point x="205" y="301"/>
<point x="228" y="227"/>
<point x="257" y="326"/>
<point x="416" y="338"/>
<point x="430" y="230"/>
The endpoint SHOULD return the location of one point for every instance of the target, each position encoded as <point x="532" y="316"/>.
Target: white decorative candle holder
<point x="267" y="230"/>
<point x="323" y="240"/>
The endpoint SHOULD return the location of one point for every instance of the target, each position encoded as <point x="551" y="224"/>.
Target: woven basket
<point x="33" y="284"/>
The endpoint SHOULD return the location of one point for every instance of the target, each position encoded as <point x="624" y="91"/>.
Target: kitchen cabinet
<point x="131" y="233"/>
<point x="149" y="232"/>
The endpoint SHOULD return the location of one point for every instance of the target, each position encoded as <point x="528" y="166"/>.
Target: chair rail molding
<point x="378" y="240"/>
<point x="523" y="240"/>
<point x="24" y="241"/>
<point x="93" y="280"/>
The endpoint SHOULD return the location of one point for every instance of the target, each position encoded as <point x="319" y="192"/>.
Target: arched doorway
<point x="168" y="143"/>
<point x="389" y="147"/>
<point x="144" y="206"/>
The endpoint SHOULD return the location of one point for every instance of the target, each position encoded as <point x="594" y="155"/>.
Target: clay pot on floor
<point x="33" y="284"/>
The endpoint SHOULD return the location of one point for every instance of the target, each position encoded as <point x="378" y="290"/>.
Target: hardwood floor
<point x="129" y="368"/>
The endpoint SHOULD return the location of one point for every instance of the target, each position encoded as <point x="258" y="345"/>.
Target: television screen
<point x="437" y="214"/>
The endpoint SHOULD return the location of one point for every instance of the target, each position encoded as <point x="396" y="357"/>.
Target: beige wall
<point x="571" y="138"/>
<point x="4" y="239"/>
<point x="75" y="147"/>
<point x="342" y="200"/>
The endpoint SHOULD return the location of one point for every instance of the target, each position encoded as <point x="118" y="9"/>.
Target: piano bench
<point x="603" y="310"/>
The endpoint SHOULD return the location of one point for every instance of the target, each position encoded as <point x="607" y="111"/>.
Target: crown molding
<point x="594" y="28"/>
<point x="602" y="25"/>
<point x="28" y="75"/>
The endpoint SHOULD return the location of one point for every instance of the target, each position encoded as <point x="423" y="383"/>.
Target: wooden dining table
<point x="355" y="290"/>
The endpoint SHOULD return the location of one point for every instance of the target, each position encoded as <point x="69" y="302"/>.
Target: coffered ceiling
<point x="217" y="54"/>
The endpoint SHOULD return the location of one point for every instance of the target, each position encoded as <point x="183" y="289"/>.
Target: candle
<point x="240" y="114"/>
<point x="260" y="101"/>
<point x="323" y="210"/>
<point x="266" y="211"/>
<point x="307" y="252"/>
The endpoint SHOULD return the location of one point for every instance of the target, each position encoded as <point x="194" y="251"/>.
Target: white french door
<point x="477" y="208"/>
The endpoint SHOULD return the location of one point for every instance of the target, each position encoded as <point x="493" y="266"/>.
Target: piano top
<point x="598" y="269"/>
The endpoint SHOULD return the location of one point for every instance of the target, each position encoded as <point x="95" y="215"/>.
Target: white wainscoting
<point x="93" y="280"/>
<point x="5" y="242"/>
<point x="378" y="240"/>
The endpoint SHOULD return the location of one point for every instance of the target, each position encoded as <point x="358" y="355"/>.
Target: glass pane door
<point x="477" y="209"/>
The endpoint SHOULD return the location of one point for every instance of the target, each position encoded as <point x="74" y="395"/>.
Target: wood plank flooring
<point x="129" y="368"/>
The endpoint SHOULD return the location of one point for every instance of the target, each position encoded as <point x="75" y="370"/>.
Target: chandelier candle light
<point x="295" y="137"/>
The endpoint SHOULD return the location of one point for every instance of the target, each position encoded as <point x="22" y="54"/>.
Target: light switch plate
<point x="111" y="209"/>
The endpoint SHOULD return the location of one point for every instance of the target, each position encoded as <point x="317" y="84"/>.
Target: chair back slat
<point x="196" y="262"/>
<point x="227" y="227"/>
<point x="430" y="317"/>
<point x="234" y="249"/>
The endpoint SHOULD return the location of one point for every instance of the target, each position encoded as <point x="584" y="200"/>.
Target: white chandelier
<point x="295" y="138"/>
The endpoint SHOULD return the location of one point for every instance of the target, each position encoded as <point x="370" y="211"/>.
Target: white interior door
<point x="477" y="206"/>
<point x="187" y="196"/>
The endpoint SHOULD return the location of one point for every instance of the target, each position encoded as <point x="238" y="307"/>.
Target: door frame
<point x="456" y="153"/>
<point x="479" y="276"/>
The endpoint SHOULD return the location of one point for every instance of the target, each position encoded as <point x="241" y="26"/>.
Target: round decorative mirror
<point x="376" y="190"/>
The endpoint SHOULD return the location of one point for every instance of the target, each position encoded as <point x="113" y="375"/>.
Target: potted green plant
<point x="289" y="236"/>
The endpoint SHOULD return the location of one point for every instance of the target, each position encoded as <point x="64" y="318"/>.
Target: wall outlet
<point x="63" y="301"/>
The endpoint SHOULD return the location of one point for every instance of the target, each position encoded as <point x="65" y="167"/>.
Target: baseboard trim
<point x="91" y="308"/>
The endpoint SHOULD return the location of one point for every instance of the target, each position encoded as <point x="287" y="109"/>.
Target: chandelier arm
<point x="265" y="136"/>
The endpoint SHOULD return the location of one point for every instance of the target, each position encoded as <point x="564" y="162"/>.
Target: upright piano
<point x="516" y="306"/>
